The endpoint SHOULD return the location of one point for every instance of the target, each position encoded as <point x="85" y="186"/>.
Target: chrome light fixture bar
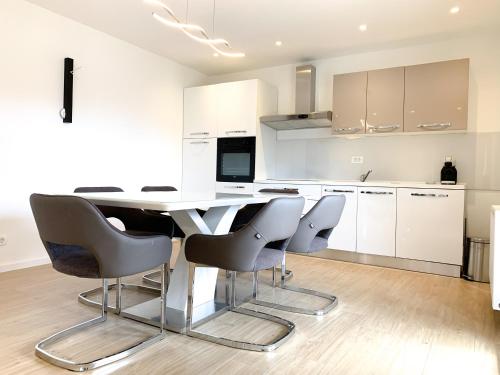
<point x="188" y="30"/>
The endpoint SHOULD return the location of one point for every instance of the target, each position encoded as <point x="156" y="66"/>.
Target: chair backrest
<point x="319" y="221"/>
<point x="72" y="222"/>
<point x="158" y="188"/>
<point x="98" y="189"/>
<point x="69" y="225"/>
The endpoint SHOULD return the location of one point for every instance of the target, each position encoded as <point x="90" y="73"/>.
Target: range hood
<point x="305" y="96"/>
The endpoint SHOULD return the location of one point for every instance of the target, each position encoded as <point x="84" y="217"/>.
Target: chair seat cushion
<point x="74" y="260"/>
<point x="268" y="258"/>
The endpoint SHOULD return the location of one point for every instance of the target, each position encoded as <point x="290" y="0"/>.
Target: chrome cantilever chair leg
<point x="332" y="300"/>
<point x="84" y="297"/>
<point x="290" y="327"/>
<point x="42" y="352"/>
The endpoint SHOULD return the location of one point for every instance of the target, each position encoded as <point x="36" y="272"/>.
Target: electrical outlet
<point x="3" y="240"/>
<point x="357" y="160"/>
<point x="448" y="158"/>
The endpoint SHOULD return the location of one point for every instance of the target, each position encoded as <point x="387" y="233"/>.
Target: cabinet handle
<point x="429" y="195"/>
<point x="384" y="128"/>
<point x="346" y="130"/>
<point x="235" y="131"/>
<point x="234" y="187"/>
<point x="199" y="143"/>
<point x="377" y="192"/>
<point x="199" y="133"/>
<point x="337" y="191"/>
<point x="435" y="126"/>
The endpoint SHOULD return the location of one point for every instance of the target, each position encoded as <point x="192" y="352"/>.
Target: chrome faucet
<point x="364" y="176"/>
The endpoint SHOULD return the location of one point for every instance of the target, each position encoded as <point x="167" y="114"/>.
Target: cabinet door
<point x="199" y="161"/>
<point x="430" y="225"/>
<point x="376" y="223"/>
<point x="385" y="100"/>
<point x="436" y="96"/>
<point x="343" y="236"/>
<point x="237" y="109"/>
<point x="349" y="103"/>
<point x="200" y="106"/>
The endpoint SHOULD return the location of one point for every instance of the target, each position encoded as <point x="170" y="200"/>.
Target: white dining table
<point x="221" y="210"/>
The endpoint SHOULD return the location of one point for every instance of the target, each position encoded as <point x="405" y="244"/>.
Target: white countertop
<point x="495" y="208"/>
<point x="394" y="184"/>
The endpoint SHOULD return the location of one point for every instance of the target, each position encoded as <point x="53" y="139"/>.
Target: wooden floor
<point x="387" y="322"/>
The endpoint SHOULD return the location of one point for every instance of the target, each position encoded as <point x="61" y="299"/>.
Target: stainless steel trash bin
<point x="477" y="267"/>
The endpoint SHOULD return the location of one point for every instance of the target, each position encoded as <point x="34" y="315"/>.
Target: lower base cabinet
<point x="343" y="236"/>
<point x="430" y="225"/>
<point x="376" y="221"/>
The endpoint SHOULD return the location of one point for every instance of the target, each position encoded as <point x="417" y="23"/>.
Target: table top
<point x="177" y="200"/>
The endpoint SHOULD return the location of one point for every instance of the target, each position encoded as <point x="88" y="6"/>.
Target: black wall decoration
<point x="67" y="110"/>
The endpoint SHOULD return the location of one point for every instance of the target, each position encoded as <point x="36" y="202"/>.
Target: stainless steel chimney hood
<point x="305" y="95"/>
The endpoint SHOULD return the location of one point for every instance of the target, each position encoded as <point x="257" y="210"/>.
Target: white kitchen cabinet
<point x="376" y="221"/>
<point x="234" y="187"/>
<point x="199" y="165"/>
<point x="200" y="108"/>
<point x="430" y="225"/>
<point x="311" y="193"/>
<point x="237" y="109"/>
<point x="343" y="236"/>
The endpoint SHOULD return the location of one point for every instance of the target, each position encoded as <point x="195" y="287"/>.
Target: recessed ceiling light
<point x="278" y="43"/>
<point x="363" y="27"/>
<point x="455" y="10"/>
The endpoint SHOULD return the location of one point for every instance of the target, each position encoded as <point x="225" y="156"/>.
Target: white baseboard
<point x="24" y="264"/>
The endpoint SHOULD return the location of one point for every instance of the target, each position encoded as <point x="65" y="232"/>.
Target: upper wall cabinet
<point x="200" y="105"/>
<point x="349" y="103"/>
<point x="227" y="109"/>
<point x="385" y="100"/>
<point x="237" y="109"/>
<point x="436" y="96"/>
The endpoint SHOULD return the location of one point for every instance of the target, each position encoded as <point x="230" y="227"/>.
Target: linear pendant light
<point x="188" y="30"/>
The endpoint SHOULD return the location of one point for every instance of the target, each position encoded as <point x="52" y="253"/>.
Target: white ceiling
<point x="309" y="29"/>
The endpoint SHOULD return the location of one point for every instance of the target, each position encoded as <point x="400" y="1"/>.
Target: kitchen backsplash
<point x="409" y="158"/>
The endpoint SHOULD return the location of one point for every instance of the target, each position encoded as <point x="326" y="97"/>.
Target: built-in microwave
<point x="236" y="159"/>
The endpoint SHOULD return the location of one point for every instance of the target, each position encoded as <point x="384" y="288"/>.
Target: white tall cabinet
<point x="376" y="221"/>
<point x="198" y="165"/>
<point x="230" y="109"/>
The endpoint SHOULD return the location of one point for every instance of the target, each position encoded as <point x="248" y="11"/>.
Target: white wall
<point x="417" y="158"/>
<point x="127" y="120"/>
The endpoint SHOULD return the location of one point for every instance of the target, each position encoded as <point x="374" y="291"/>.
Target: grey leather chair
<point x="257" y="246"/>
<point x="81" y="242"/>
<point x="136" y="222"/>
<point x="311" y="236"/>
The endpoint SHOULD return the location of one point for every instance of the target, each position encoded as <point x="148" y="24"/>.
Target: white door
<point x="237" y="109"/>
<point x="200" y="108"/>
<point x="199" y="162"/>
<point x="343" y="236"/>
<point x="376" y="222"/>
<point x="430" y="225"/>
